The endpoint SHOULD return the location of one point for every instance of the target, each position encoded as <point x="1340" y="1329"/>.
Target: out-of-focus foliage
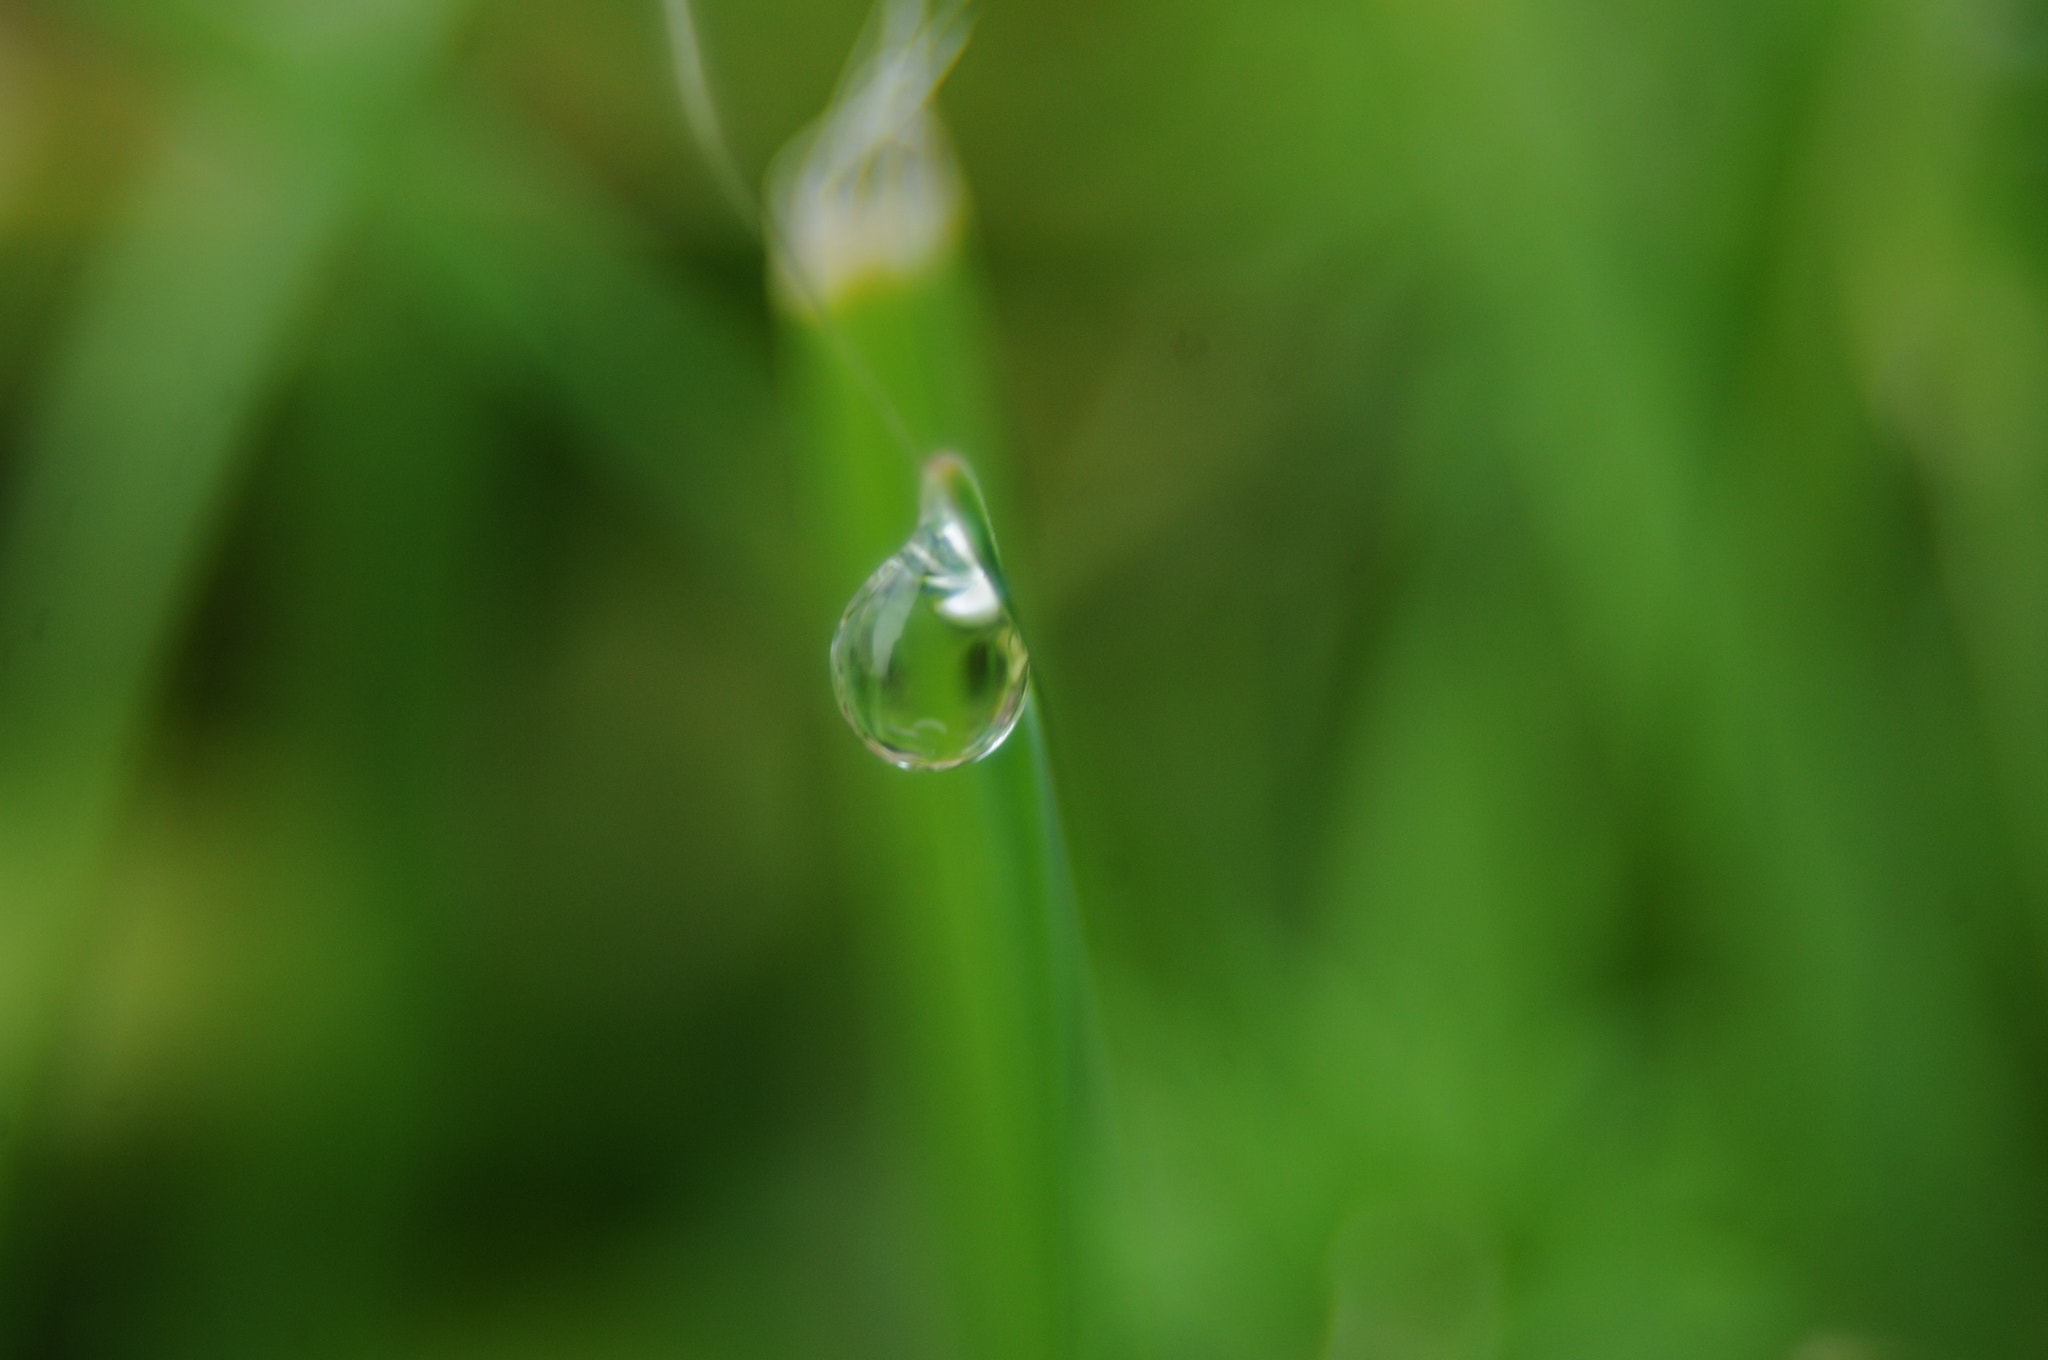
<point x="1531" y="520"/>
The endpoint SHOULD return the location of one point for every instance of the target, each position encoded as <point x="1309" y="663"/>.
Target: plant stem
<point x="966" y="870"/>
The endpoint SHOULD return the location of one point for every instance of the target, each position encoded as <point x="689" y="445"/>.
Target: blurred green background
<point x="1531" y="518"/>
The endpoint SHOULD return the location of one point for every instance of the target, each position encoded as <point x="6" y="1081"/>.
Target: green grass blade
<point x="965" y="869"/>
<point x="169" y="357"/>
<point x="182" y="328"/>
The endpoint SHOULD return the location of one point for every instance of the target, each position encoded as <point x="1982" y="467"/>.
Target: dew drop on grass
<point x="928" y="665"/>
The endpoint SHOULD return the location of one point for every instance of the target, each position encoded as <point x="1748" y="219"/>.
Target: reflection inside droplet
<point x="928" y="665"/>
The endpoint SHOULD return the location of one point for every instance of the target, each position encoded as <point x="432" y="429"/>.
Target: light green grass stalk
<point x="966" y="867"/>
<point x="965" y="871"/>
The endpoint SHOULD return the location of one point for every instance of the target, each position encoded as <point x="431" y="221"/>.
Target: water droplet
<point x="928" y="665"/>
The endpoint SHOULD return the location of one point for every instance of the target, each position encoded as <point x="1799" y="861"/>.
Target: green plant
<point x="979" y="955"/>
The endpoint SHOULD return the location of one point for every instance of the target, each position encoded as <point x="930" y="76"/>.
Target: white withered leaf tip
<point x="872" y="189"/>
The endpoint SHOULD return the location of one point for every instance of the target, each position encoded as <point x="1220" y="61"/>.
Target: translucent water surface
<point x="927" y="664"/>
